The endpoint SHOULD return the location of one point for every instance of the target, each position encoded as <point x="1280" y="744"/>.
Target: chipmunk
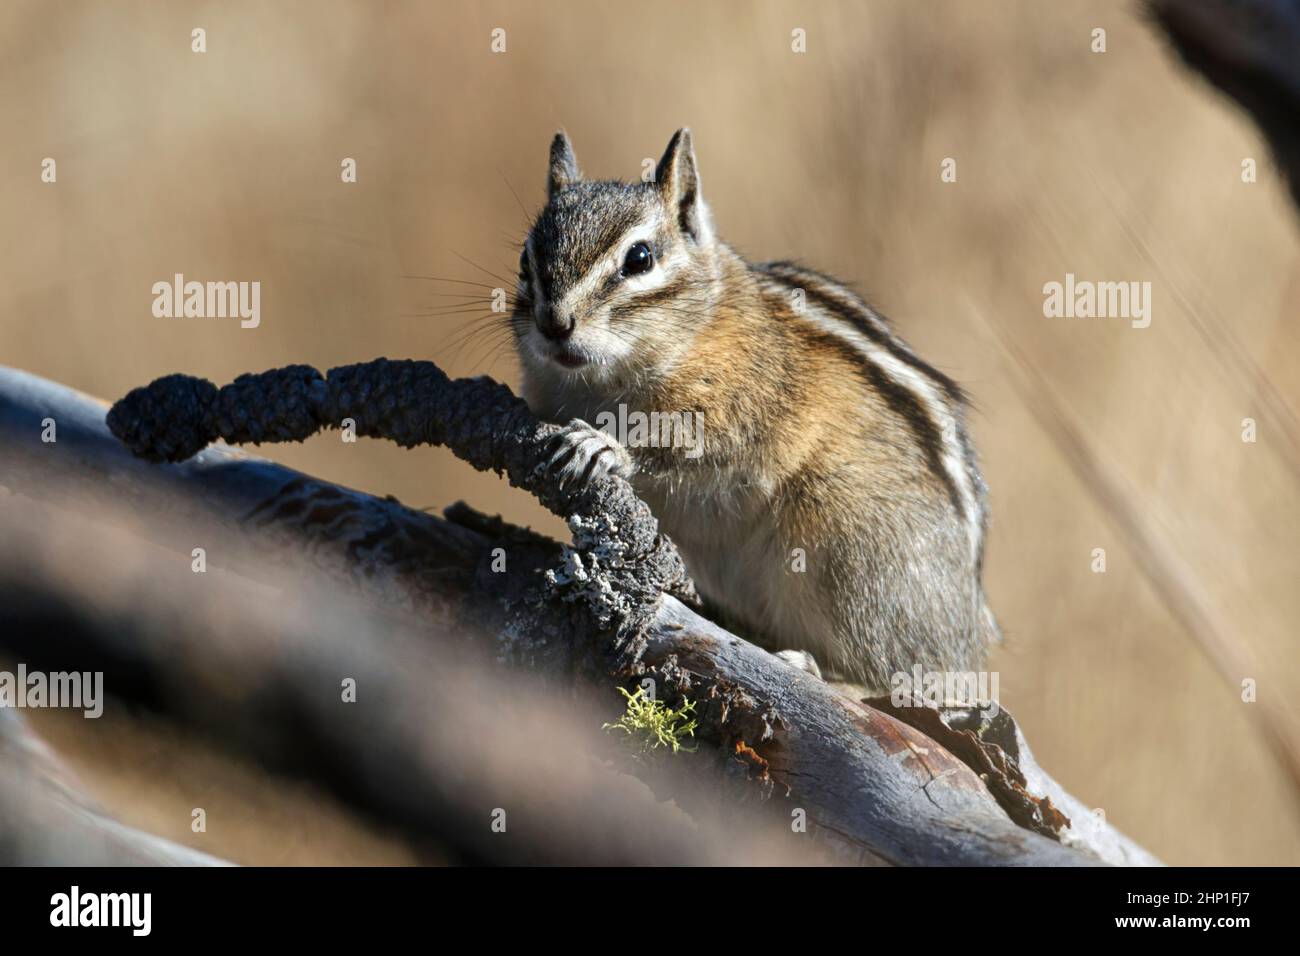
<point x="827" y="442"/>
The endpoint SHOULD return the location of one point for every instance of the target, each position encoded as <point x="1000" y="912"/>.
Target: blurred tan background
<point x="1116" y="166"/>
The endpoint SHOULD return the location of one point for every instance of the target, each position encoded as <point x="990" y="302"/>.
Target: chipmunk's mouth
<point x="569" y="359"/>
<point x="590" y="355"/>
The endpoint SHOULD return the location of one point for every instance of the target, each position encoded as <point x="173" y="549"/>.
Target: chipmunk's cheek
<point x="607" y="350"/>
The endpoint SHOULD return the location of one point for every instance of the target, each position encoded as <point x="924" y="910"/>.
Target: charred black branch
<point x="414" y="403"/>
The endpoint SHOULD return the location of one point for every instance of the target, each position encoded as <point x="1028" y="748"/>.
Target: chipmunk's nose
<point x="555" y="328"/>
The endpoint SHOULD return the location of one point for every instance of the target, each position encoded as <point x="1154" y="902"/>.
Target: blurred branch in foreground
<point x="437" y="740"/>
<point x="315" y="583"/>
<point x="46" y="820"/>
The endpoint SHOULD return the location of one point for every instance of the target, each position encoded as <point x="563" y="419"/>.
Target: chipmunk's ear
<point x="679" y="185"/>
<point x="564" y="165"/>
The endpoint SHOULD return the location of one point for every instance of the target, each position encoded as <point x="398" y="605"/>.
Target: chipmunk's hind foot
<point x="801" y="660"/>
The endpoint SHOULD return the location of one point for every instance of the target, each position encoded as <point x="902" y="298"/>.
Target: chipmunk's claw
<point x="580" y="452"/>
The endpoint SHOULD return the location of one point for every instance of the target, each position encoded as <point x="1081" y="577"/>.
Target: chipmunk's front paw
<point x="581" y="452"/>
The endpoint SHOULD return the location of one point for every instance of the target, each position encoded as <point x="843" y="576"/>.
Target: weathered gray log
<point x="874" y="788"/>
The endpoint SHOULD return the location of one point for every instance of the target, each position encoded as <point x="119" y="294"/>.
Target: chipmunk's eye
<point x="639" y="260"/>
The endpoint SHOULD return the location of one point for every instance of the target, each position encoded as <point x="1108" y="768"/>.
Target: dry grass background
<point x="1116" y="166"/>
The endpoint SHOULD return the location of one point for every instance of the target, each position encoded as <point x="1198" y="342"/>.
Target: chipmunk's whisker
<point x="463" y="308"/>
<point x="494" y="334"/>
<point x="464" y="295"/>
<point x="481" y="285"/>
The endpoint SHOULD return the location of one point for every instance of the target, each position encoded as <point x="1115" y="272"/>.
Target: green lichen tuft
<point x="651" y="724"/>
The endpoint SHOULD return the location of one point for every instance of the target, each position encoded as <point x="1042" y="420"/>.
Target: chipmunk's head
<point x="613" y="275"/>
